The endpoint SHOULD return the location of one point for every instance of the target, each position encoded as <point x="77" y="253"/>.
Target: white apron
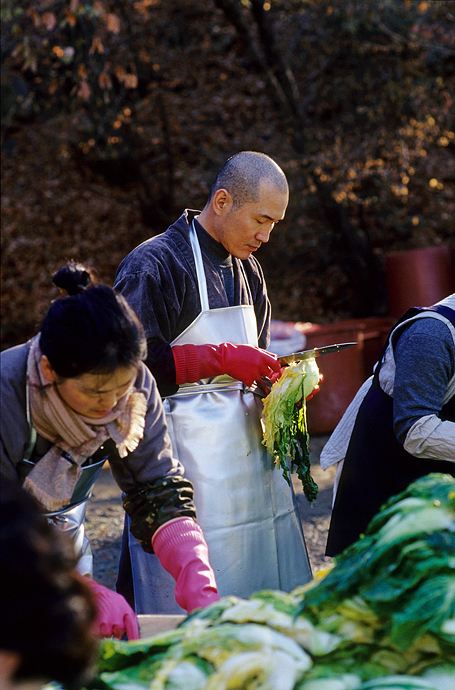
<point x="247" y="511"/>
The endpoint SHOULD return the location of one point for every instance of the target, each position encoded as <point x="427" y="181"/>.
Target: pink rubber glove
<point x="245" y="363"/>
<point x="115" y="616"/>
<point x="182" y="551"/>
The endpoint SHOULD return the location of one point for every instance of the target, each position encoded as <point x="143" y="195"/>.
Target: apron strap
<point x="217" y="387"/>
<point x="442" y="309"/>
<point x="201" y="279"/>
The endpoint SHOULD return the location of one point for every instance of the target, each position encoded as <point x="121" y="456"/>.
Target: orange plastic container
<point x="375" y="332"/>
<point x="418" y="277"/>
<point x="345" y="371"/>
<point x="451" y="249"/>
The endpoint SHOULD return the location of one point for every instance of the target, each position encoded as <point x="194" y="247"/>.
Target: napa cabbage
<point x="284" y="421"/>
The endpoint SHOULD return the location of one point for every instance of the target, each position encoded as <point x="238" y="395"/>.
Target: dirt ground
<point x="104" y="523"/>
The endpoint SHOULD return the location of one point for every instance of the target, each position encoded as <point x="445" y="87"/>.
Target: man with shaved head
<point x="242" y="175"/>
<point x="200" y="294"/>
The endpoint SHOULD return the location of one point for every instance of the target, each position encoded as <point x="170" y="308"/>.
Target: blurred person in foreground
<point x="47" y="610"/>
<point x="400" y="425"/>
<point x="200" y="293"/>
<point x="78" y="394"/>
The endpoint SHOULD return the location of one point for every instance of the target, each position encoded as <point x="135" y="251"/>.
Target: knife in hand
<point x="315" y="352"/>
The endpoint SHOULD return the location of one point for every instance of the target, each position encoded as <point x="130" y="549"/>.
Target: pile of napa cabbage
<point x="383" y="618"/>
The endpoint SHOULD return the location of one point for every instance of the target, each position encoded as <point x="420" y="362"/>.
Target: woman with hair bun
<point x="78" y="394"/>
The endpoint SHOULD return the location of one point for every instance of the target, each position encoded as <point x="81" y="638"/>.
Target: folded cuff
<point x="174" y="534"/>
<point x="186" y="364"/>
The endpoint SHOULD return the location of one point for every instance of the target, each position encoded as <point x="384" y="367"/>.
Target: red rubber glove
<point x="317" y="387"/>
<point x="115" y="616"/>
<point x="182" y="551"/>
<point x="266" y="385"/>
<point x="245" y="363"/>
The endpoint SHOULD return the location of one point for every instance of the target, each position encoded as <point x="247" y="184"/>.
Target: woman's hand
<point x="115" y="616"/>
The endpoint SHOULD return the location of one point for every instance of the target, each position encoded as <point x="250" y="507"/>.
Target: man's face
<point x="242" y="230"/>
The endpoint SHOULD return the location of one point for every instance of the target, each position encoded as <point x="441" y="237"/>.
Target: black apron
<point x="377" y="466"/>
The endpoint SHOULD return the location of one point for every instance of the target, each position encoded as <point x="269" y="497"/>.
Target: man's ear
<point x="47" y="370"/>
<point x="221" y="201"/>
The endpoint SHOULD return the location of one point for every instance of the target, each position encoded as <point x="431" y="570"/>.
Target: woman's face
<point x="92" y="395"/>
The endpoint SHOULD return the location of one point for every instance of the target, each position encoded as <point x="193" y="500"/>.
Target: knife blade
<point x="315" y="352"/>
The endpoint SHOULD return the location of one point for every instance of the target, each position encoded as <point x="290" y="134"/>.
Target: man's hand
<point x="182" y="551"/>
<point x="245" y="363"/>
<point x="317" y="388"/>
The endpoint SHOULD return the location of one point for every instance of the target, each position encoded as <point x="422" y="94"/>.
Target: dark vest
<point x="377" y="466"/>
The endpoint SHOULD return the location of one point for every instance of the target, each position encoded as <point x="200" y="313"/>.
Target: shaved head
<point x="242" y="174"/>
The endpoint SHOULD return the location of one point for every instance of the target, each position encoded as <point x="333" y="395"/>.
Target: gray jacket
<point x="151" y="478"/>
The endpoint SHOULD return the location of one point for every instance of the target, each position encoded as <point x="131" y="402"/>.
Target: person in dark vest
<point x="400" y="425"/>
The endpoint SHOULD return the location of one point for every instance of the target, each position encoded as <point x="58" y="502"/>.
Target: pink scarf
<point x="74" y="436"/>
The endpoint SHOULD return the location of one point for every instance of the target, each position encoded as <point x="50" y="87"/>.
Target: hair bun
<point x="74" y="278"/>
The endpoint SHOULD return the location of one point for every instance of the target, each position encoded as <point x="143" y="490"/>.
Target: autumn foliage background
<point x="116" y="115"/>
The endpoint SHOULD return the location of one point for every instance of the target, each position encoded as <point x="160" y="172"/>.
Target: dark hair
<point x="92" y="330"/>
<point x="242" y="174"/>
<point x="47" y="609"/>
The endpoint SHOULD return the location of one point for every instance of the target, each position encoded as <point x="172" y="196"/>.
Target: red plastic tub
<point x="344" y="372"/>
<point x="418" y="277"/>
